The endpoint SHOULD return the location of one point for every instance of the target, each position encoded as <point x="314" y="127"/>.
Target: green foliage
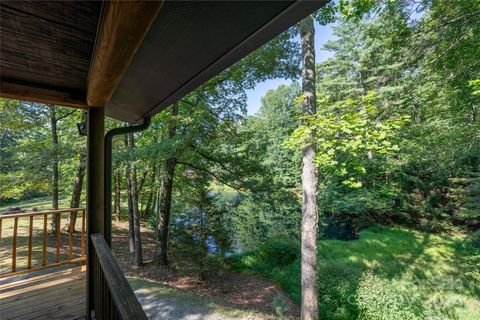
<point x="354" y="9"/>
<point x="389" y="273"/>
<point x="348" y="9"/>
<point x="348" y="136"/>
<point x="475" y="84"/>
<point x="271" y="205"/>
<point x="26" y="149"/>
<point x="380" y="299"/>
<point x="280" y="251"/>
<point x="272" y="254"/>
<point x="392" y="156"/>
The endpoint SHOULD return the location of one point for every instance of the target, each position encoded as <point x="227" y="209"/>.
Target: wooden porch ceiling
<point x="45" y="49"/>
<point x="135" y="58"/>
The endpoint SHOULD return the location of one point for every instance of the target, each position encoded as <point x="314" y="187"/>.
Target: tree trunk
<point x="53" y="126"/>
<point x="116" y="201"/>
<point x="164" y="202"/>
<point x="151" y="193"/>
<point x="203" y="244"/>
<point x="309" y="308"/>
<point x="77" y="191"/>
<point x="137" y="239"/>
<point x="131" y="237"/>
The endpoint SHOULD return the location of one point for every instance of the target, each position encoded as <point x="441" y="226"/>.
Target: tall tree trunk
<point x="151" y="193"/>
<point x="77" y="191"/>
<point x="137" y="257"/>
<point x="131" y="237"/>
<point x="309" y="308"/>
<point x="164" y="202"/>
<point x="203" y="242"/>
<point x="116" y="201"/>
<point x="53" y="126"/>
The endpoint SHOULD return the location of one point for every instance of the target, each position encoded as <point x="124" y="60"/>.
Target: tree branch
<point x="237" y="188"/>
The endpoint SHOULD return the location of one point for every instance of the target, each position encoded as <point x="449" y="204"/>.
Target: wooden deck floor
<point x="52" y="294"/>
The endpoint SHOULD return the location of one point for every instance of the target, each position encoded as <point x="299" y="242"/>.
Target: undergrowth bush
<point x="472" y="244"/>
<point x="330" y="227"/>
<point x="381" y="299"/>
<point x="280" y="251"/>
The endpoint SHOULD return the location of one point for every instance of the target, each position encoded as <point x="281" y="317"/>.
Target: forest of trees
<point x="389" y="128"/>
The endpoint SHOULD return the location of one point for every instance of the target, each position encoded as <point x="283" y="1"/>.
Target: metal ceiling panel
<point x="192" y="41"/>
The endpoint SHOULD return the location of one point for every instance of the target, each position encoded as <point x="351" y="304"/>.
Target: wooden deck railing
<point x="113" y="298"/>
<point x="32" y="217"/>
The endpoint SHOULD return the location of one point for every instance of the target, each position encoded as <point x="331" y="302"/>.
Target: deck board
<point x="57" y="294"/>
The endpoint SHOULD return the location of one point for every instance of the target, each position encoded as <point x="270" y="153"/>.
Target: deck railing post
<point x="19" y="248"/>
<point x="95" y="190"/>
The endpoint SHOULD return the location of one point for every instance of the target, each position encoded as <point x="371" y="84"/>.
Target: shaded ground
<point x="162" y="302"/>
<point x="221" y="287"/>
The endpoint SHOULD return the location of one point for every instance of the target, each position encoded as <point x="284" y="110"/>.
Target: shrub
<point x="472" y="244"/>
<point x="474" y="239"/>
<point x="333" y="228"/>
<point x="347" y="210"/>
<point x="381" y="299"/>
<point x="280" y="251"/>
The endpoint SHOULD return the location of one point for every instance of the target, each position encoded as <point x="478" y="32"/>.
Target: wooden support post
<point x="95" y="190"/>
<point x="14" y="245"/>
<point x="58" y="237"/>
<point x="30" y="235"/>
<point x="44" y="249"/>
<point x="83" y="234"/>
<point x="70" y="238"/>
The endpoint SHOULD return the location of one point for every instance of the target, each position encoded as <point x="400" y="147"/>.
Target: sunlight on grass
<point x="389" y="273"/>
<point x="43" y="203"/>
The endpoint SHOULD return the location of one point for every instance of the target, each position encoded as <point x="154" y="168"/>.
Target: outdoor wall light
<point x="82" y="126"/>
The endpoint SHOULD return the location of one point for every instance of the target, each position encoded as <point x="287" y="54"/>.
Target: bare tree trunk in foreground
<point x="309" y="308"/>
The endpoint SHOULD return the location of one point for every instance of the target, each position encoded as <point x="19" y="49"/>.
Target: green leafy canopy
<point x="346" y="137"/>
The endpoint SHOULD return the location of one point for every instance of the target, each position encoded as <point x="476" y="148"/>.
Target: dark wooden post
<point x="95" y="189"/>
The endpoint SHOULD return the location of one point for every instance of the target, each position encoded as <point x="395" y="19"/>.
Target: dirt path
<point x="162" y="302"/>
<point x="236" y="295"/>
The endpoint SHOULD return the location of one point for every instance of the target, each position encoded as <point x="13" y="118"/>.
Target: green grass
<point x="42" y="203"/>
<point x="389" y="273"/>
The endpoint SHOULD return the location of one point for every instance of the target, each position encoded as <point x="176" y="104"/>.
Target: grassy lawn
<point x="42" y="203"/>
<point x="389" y="273"/>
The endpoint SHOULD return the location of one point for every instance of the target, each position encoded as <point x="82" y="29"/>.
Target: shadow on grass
<point x="387" y="273"/>
<point x="343" y="265"/>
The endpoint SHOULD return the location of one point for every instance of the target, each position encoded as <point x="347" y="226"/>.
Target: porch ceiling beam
<point x="122" y="29"/>
<point x="11" y="90"/>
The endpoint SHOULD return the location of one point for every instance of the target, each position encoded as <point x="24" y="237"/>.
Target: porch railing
<point x="38" y="222"/>
<point x="113" y="298"/>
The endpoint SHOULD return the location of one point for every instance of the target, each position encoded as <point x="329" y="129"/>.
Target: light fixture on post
<point x="82" y="126"/>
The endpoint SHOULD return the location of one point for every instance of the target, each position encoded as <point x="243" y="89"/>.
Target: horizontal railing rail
<point x="38" y="221"/>
<point x="113" y="298"/>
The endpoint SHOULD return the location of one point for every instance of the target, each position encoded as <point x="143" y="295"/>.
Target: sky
<point x="254" y="96"/>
